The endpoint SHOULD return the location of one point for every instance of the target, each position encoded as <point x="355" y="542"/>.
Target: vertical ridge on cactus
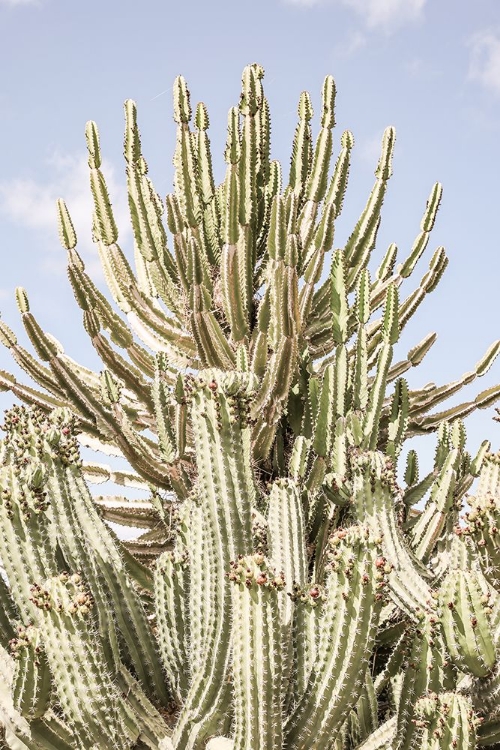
<point x="295" y="584"/>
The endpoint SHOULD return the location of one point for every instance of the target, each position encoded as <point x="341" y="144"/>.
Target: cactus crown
<point x="284" y="590"/>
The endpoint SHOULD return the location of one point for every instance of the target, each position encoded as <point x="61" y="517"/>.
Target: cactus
<point x="295" y="583"/>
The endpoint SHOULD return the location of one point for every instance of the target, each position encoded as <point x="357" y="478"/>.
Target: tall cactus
<point x="295" y="583"/>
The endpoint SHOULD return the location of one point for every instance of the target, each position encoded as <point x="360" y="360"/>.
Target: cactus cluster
<point x="295" y="583"/>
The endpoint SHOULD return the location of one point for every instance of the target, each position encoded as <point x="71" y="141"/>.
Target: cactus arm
<point x="250" y="104"/>
<point x="238" y="255"/>
<point x="373" y="502"/>
<point x="393" y="663"/>
<point x="338" y="302"/>
<point x="213" y="347"/>
<point x="274" y="389"/>
<point x="235" y="298"/>
<point x="423" y="670"/>
<point x="99" y="473"/>
<point x="360" y="391"/>
<point x="426" y="226"/>
<point x="185" y="173"/>
<point x="134" y="448"/>
<point x="398" y="419"/>
<point x="49" y="733"/>
<point x="89" y="298"/>
<point x="154" y="730"/>
<point x="446" y="720"/>
<point x="32" y="683"/>
<point x="111" y="572"/>
<point x="226" y="494"/>
<point x="313" y="265"/>
<point x="26" y="549"/>
<point x="156" y="329"/>
<point x="75" y="519"/>
<point x="91" y="703"/>
<point x="206" y="187"/>
<point x="28" y="363"/>
<point x="414" y="357"/>
<point x="338" y="183"/>
<point x="273" y="394"/>
<point x="466" y="625"/>
<point x="287" y="553"/>
<point x="364" y="720"/>
<point x="128" y="374"/>
<point x="324" y="423"/>
<point x="306" y="620"/>
<point x="488" y="733"/>
<point x="359" y="243"/>
<point x="170" y="595"/>
<point x="256" y="638"/>
<point x="286" y="529"/>
<point x="431" y="522"/>
<point x="28" y="395"/>
<point x="104" y="222"/>
<point x="148" y="546"/>
<point x="302" y="147"/>
<point x="381" y="738"/>
<point x="8" y="613"/>
<point x="315" y="166"/>
<point x="377" y="393"/>
<point x="316" y="186"/>
<point x="161" y="395"/>
<point x="146" y="210"/>
<point x="348" y="626"/>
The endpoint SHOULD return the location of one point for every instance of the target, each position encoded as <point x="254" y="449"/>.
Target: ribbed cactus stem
<point x="91" y="703"/>
<point x="349" y="616"/>
<point x="171" y="589"/>
<point x="257" y="649"/>
<point x="373" y="488"/>
<point x="445" y="721"/>
<point x="32" y="685"/>
<point x="466" y="622"/>
<point x="218" y="407"/>
<point x="306" y="629"/>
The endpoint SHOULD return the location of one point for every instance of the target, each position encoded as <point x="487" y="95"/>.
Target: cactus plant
<point x="294" y="583"/>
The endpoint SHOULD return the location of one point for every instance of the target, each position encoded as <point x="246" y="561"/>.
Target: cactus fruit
<point x="295" y="583"/>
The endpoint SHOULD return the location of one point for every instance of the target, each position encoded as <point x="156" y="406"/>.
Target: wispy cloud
<point x="351" y="44"/>
<point x="385" y="15"/>
<point x="32" y="203"/>
<point x="484" y="66"/>
<point x="19" y="2"/>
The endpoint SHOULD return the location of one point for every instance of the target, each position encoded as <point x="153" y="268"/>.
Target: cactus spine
<point x="295" y="583"/>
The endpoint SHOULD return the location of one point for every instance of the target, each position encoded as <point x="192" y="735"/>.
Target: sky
<point x="431" y="69"/>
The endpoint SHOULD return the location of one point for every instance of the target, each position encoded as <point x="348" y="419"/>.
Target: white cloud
<point x="484" y="67"/>
<point x="32" y="203"/>
<point x="351" y="44"/>
<point x="19" y="2"/>
<point x="387" y="15"/>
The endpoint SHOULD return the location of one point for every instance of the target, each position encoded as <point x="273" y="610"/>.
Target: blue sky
<point x="431" y="69"/>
